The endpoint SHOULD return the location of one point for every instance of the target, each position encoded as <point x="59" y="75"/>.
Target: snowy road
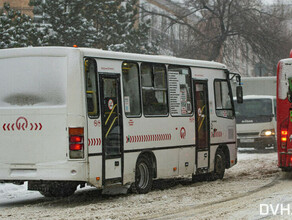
<point x="255" y="180"/>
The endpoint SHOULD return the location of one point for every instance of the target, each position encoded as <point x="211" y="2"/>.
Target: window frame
<point x="230" y="97"/>
<point x="153" y="87"/>
<point x="97" y="88"/>
<point x="139" y="89"/>
<point x="191" y="90"/>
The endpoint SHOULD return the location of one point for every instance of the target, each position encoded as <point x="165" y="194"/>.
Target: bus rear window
<point x="33" y="81"/>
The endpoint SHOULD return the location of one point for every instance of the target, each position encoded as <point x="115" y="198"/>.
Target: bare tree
<point x="231" y="30"/>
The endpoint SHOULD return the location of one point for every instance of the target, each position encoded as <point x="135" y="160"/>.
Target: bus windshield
<point x="254" y="111"/>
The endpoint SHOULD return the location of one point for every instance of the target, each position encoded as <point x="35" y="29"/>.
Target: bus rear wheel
<point x="219" y="167"/>
<point x="63" y="189"/>
<point x="143" y="175"/>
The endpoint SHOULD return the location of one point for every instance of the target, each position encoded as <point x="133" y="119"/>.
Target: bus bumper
<point x="256" y="142"/>
<point x="58" y="171"/>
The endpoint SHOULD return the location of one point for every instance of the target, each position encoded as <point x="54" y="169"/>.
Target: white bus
<point x="72" y="116"/>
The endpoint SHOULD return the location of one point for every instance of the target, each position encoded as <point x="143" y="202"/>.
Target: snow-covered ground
<point x="253" y="181"/>
<point x="10" y="193"/>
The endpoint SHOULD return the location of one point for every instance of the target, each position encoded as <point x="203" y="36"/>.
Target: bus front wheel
<point x="143" y="175"/>
<point x="219" y="166"/>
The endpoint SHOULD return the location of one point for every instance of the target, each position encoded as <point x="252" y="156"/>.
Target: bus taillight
<point x="284" y="139"/>
<point x="74" y="139"/>
<point x="284" y="133"/>
<point x="76" y="147"/>
<point x="76" y="144"/>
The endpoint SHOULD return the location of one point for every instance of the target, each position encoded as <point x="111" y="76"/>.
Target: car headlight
<point x="268" y="132"/>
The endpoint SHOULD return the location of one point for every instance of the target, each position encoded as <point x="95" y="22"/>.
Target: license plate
<point x="247" y="140"/>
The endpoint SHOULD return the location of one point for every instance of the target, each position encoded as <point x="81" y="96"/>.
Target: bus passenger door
<point x="202" y="125"/>
<point x="112" y="129"/>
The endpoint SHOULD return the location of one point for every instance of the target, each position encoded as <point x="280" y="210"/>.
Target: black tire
<point x="219" y="166"/>
<point x="63" y="189"/>
<point x="275" y="147"/>
<point x="143" y="175"/>
<point x="260" y="148"/>
<point x="286" y="169"/>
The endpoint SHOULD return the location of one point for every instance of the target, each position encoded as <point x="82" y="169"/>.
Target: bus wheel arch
<point x="151" y="156"/>
<point x="145" y="172"/>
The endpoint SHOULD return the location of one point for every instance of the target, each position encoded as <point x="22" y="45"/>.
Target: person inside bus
<point x="150" y="102"/>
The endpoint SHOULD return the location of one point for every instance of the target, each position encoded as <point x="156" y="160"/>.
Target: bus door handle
<point x="117" y="163"/>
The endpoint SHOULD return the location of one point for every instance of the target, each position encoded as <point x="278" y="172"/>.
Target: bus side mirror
<point x="239" y="94"/>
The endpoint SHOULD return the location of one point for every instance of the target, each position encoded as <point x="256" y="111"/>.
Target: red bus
<point x="284" y="113"/>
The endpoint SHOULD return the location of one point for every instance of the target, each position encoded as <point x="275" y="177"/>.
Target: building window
<point x="154" y="89"/>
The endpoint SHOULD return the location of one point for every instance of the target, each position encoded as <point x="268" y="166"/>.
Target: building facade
<point x="173" y="37"/>
<point x="21" y="5"/>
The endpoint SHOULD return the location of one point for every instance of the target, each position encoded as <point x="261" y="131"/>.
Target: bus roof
<point x="151" y="58"/>
<point x="98" y="53"/>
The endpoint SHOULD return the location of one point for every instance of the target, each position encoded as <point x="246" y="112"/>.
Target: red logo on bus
<point x="22" y="124"/>
<point x="183" y="133"/>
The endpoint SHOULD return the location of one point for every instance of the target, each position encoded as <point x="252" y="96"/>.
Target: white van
<point x="256" y="122"/>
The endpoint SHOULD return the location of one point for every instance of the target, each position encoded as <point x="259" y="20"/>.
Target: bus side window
<point x="222" y="99"/>
<point x="154" y="89"/>
<point x="91" y="88"/>
<point x="180" y="91"/>
<point x="131" y="89"/>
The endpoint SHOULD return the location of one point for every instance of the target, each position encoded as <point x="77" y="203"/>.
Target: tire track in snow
<point x="188" y="212"/>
